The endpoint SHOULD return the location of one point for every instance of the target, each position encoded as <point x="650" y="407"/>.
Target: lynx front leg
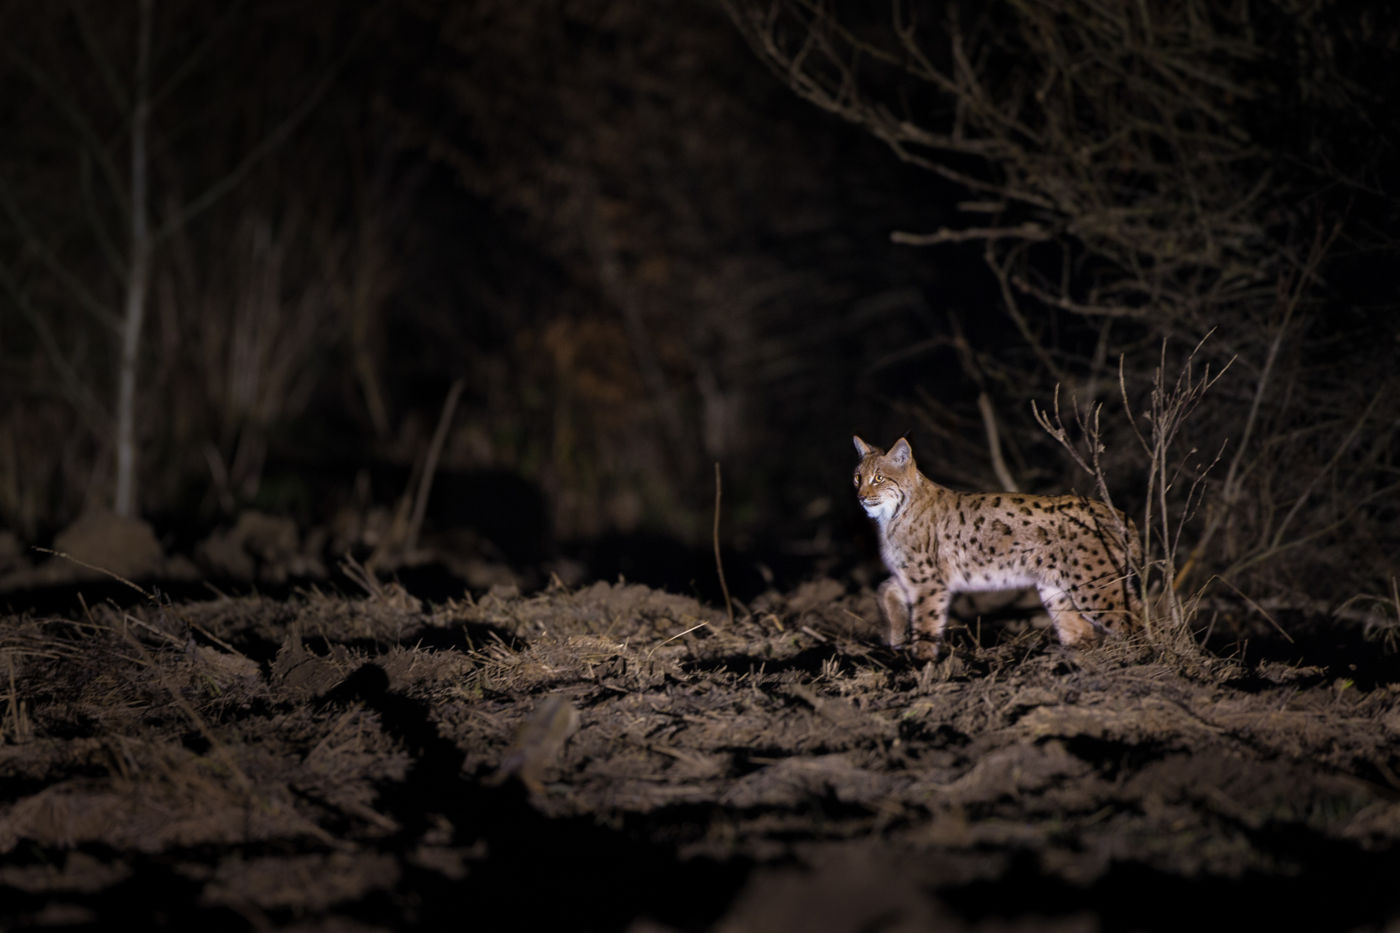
<point x="896" y="610"/>
<point x="929" y="616"/>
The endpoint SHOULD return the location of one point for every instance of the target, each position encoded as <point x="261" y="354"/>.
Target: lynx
<point x="936" y="542"/>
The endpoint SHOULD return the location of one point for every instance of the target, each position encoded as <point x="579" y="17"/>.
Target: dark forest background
<point x="610" y="243"/>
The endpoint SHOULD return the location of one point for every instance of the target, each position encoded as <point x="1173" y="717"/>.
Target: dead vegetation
<point x="325" y="762"/>
<point x="1134" y="173"/>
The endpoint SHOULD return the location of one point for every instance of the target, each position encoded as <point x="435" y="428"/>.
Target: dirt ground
<point x="613" y="757"/>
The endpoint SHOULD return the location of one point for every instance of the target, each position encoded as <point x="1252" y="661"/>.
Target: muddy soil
<point x="617" y="758"/>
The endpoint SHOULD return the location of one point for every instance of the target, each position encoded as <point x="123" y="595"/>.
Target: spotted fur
<point x="1078" y="553"/>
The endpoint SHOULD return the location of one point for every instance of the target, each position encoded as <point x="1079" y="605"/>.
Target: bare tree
<point x="138" y="271"/>
<point x="113" y="86"/>
<point x="1139" y="141"/>
<point x="1158" y="169"/>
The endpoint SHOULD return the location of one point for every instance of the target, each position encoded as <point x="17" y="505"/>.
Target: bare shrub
<point x="1138" y="171"/>
<point x="241" y="345"/>
<point x="1175" y="482"/>
<point x="135" y="136"/>
<point x="1134" y="139"/>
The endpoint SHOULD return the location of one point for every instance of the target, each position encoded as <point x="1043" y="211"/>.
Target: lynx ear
<point x="862" y="447"/>
<point x="900" y="455"/>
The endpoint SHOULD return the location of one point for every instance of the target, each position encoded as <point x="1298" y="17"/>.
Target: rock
<point x="11" y="552"/>
<point x="258" y="546"/>
<point x="124" y="547"/>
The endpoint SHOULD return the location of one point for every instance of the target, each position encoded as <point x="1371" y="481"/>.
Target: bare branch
<point x="1026" y="231"/>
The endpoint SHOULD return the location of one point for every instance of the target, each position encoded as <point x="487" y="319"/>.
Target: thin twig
<point x="425" y="482"/>
<point x="1255" y="606"/>
<point x="1026" y="231"/>
<point x="719" y="563"/>
<point x="102" y="570"/>
<point x="989" y="421"/>
<point x="680" y="634"/>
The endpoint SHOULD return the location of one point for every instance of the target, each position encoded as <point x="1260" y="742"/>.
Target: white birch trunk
<point x="138" y="277"/>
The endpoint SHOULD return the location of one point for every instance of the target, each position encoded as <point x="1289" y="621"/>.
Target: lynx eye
<point x="877" y="479"/>
<point x="857" y="479"/>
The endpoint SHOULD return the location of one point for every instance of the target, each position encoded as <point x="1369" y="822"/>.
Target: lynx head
<point x="881" y="479"/>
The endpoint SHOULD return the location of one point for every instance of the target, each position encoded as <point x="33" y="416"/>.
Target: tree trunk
<point x="138" y="277"/>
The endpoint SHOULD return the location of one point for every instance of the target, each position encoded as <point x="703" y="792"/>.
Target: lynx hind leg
<point x="1071" y="625"/>
<point x="1116" y="601"/>
<point x="1127" y="612"/>
<point x="1121" y="595"/>
<point x="896" y="611"/>
<point x="1123" y="612"/>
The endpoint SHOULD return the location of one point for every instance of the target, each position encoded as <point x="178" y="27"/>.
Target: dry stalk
<point x="1390" y="629"/>
<point x="217" y="747"/>
<point x="16" y="722"/>
<point x="984" y="407"/>
<point x="362" y="576"/>
<point x="719" y="562"/>
<point x="1291" y="290"/>
<point x="151" y="597"/>
<point x="989" y="423"/>
<point x="1158" y="431"/>
<point x="407" y="523"/>
<point x="102" y="570"/>
<point x="425" y="484"/>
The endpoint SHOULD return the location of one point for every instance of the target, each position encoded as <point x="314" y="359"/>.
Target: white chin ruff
<point x="880" y="511"/>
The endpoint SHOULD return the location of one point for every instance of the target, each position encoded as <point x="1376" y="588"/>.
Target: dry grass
<point x="418" y="750"/>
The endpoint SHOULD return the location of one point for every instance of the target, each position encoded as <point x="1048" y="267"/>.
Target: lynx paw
<point x="927" y="649"/>
<point x="1076" y="631"/>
